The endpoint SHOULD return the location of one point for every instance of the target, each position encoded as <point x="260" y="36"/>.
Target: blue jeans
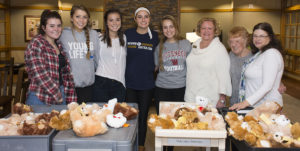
<point x="32" y="99"/>
<point x="106" y="89"/>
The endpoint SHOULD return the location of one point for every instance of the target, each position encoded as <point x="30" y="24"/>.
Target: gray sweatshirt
<point x="174" y="56"/>
<point x="74" y="44"/>
<point x="236" y="65"/>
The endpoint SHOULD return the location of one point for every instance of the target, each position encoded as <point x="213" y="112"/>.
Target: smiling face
<point x="53" y="29"/>
<point x="237" y="45"/>
<point x="260" y="38"/>
<point x="113" y="22"/>
<point x="207" y="31"/>
<point x="142" y="19"/>
<point x="79" y="19"/>
<point x="169" y="29"/>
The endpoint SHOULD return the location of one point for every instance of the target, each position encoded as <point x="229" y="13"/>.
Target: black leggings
<point x="143" y="98"/>
<point x="170" y="95"/>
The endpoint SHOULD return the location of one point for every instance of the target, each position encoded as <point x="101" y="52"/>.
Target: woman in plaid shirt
<point x="47" y="65"/>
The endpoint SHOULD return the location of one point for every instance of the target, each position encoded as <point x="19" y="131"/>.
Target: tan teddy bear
<point x="84" y="123"/>
<point x="163" y="121"/>
<point x="61" y="121"/>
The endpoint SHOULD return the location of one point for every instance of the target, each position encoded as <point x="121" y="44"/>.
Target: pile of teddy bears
<point x="198" y="116"/>
<point x="91" y="119"/>
<point x="264" y="127"/>
<point x="85" y="119"/>
<point x="24" y="122"/>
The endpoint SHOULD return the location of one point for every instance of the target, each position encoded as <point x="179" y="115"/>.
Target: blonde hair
<point x="238" y="31"/>
<point x="86" y="28"/>
<point x="215" y="23"/>
<point x="164" y="38"/>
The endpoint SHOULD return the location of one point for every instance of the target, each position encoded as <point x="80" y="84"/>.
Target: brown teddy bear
<point x="20" y="109"/>
<point x="188" y="119"/>
<point x="40" y="126"/>
<point x="128" y="111"/>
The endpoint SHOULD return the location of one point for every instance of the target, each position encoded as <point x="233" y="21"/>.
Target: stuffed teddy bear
<point x="20" y="108"/>
<point x="169" y="109"/>
<point x="61" y="121"/>
<point x="214" y="120"/>
<point x="275" y="123"/>
<point x="7" y="128"/>
<point x="237" y="130"/>
<point x="267" y="108"/>
<point x="233" y="117"/>
<point x="116" y="120"/>
<point x="40" y="126"/>
<point x="295" y="130"/>
<point x="188" y="119"/>
<point x="163" y="121"/>
<point x="89" y="120"/>
<point x="128" y="111"/>
<point x="202" y="101"/>
<point x="190" y="114"/>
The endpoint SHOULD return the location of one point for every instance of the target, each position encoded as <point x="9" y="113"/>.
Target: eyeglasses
<point x="260" y="36"/>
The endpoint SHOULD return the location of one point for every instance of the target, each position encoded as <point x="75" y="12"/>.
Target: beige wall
<point x="227" y="20"/>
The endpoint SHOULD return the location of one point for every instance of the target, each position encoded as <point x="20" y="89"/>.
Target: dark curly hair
<point x="47" y="14"/>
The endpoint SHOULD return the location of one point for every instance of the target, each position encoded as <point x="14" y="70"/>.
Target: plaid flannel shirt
<point x="42" y="64"/>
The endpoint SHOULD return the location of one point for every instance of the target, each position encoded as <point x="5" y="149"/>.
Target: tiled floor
<point x="291" y="109"/>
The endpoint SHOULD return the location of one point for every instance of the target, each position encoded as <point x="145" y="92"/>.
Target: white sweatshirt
<point x="263" y="77"/>
<point x="112" y="60"/>
<point x="208" y="72"/>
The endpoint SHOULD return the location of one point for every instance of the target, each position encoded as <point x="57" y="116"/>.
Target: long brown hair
<point x="87" y="27"/>
<point x="106" y="37"/>
<point x="164" y="38"/>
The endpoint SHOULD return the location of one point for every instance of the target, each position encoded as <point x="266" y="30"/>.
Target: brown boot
<point x="141" y="148"/>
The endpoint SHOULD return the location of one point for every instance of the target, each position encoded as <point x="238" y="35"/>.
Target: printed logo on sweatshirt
<point x="174" y="68"/>
<point x="78" y="50"/>
<point x="140" y="45"/>
<point x="174" y="54"/>
<point x="174" y="57"/>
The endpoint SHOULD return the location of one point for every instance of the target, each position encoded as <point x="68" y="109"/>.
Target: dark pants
<point x="172" y="95"/>
<point x="143" y="98"/>
<point x="84" y="94"/>
<point x="106" y="89"/>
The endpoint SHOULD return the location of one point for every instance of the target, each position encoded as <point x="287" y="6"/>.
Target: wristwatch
<point x="222" y="101"/>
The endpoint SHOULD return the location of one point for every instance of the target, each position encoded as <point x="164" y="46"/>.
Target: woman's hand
<point x="221" y="101"/>
<point x="220" y="104"/>
<point x="240" y="105"/>
<point x="282" y="88"/>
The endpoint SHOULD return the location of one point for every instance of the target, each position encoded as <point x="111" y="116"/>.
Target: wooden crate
<point x="182" y="137"/>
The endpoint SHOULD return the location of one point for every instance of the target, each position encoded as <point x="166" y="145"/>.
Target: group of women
<point x="77" y="64"/>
